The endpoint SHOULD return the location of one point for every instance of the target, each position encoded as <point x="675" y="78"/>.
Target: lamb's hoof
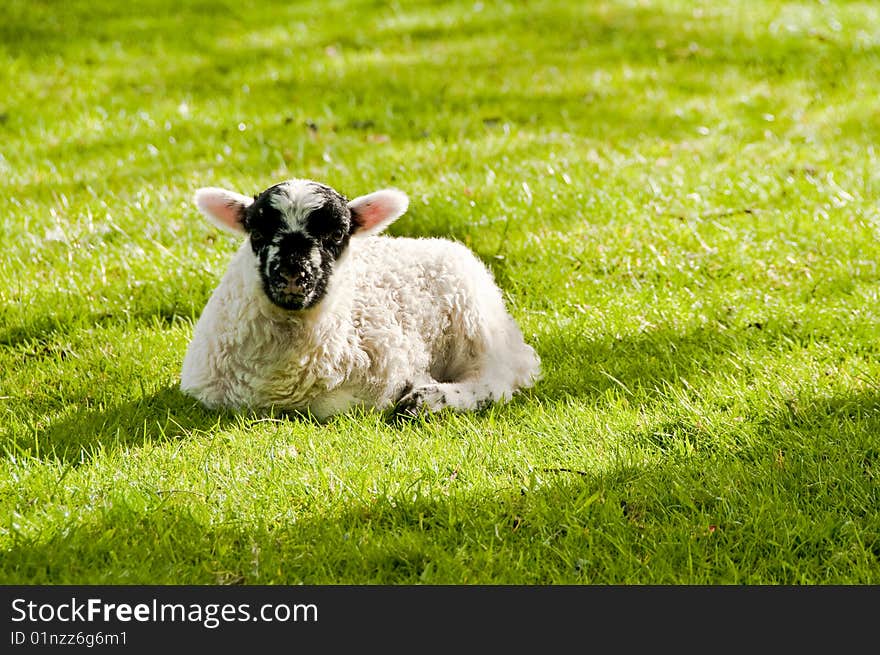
<point x="411" y="406"/>
<point x="419" y="402"/>
<point x="406" y="411"/>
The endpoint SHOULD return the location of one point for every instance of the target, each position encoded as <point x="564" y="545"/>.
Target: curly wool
<point x="400" y="313"/>
<point x="318" y="313"/>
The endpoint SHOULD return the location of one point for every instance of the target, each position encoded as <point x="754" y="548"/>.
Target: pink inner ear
<point x="376" y="210"/>
<point x="223" y="208"/>
<point x="372" y="212"/>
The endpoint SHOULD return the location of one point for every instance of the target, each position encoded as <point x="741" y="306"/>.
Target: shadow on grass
<point x="45" y="327"/>
<point x="587" y="368"/>
<point x="645" y="364"/>
<point x="797" y="504"/>
<point x="150" y="302"/>
<point x="83" y="434"/>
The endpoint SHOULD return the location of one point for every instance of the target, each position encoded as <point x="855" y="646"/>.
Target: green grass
<point x="679" y="200"/>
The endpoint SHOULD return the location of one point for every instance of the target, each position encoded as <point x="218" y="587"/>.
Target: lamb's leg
<point x="487" y="369"/>
<point x="462" y="396"/>
<point x="476" y="392"/>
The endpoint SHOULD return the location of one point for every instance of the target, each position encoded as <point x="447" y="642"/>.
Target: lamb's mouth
<point x="292" y="301"/>
<point x="282" y="293"/>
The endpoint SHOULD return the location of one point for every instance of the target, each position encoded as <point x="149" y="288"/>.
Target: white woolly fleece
<point x="400" y="314"/>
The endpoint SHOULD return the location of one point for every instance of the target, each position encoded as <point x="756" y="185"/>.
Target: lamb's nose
<point x="294" y="283"/>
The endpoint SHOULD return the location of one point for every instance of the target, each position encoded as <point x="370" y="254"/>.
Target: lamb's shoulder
<point x="245" y="352"/>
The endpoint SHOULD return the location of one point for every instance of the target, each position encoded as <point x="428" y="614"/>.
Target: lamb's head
<point x="298" y="231"/>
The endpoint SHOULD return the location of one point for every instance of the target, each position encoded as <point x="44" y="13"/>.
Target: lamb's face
<point x="298" y="230"/>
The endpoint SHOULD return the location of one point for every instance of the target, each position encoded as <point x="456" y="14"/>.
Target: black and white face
<point x="299" y="230"/>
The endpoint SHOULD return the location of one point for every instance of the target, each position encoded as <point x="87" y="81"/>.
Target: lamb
<point x="317" y="313"/>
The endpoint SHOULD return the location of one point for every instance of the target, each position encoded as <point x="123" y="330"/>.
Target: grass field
<point x="679" y="200"/>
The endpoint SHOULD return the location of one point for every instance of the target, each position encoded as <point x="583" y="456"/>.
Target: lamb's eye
<point x="259" y="230"/>
<point x="258" y="240"/>
<point x="262" y="223"/>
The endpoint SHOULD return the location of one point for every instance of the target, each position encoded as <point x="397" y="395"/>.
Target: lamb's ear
<point x="372" y="213"/>
<point x="223" y="208"/>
